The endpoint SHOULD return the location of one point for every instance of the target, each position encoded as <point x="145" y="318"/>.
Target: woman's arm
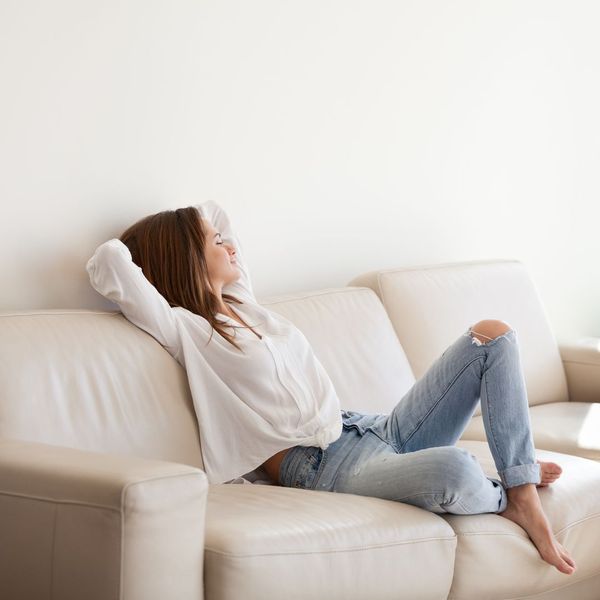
<point x="216" y="215"/>
<point x="114" y="275"/>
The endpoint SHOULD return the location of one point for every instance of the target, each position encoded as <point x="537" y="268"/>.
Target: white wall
<point x="341" y="136"/>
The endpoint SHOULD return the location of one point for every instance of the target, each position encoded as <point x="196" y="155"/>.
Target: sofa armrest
<point x="78" y="524"/>
<point x="581" y="361"/>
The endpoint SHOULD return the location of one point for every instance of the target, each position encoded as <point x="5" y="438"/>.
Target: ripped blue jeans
<point x="410" y="455"/>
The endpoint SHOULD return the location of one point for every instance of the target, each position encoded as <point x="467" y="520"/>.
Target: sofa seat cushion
<point x="275" y="542"/>
<point x="567" y="427"/>
<point x="495" y="558"/>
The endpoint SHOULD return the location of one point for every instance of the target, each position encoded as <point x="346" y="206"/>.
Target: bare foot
<point x="525" y="509"/>
<point x="550" y="473"/>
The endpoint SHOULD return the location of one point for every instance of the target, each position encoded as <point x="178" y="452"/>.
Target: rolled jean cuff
<point x="521" y="474"/>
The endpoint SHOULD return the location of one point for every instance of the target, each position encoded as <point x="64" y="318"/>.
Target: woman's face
<point x="220" y="258"/>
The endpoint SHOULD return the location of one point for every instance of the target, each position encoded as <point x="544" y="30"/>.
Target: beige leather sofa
<point x="102" y="493"/>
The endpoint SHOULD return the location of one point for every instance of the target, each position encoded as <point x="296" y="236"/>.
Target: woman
<point x="264" y="401"/>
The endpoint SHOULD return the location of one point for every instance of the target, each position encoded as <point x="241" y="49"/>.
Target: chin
<point x="236" y="276"/>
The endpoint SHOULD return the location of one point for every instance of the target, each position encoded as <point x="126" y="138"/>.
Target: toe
<point x="569" y="562"/>
<point x="565" y="555"/>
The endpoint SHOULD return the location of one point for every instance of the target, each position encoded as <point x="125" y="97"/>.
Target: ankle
<point x="522" y="493"/>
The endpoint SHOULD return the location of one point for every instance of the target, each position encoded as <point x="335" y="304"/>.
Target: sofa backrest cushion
<point x="431" y="305"/>
<point x="352" y="336"/>
<point x="92" y="380"/>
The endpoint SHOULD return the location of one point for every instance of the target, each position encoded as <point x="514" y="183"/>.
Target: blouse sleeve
<point x="216" y="215"/>
<point x="114" y="275"/>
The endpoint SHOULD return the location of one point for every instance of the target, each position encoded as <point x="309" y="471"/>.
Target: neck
<point x="217" y="289"/>
<point x="224" y="308"/>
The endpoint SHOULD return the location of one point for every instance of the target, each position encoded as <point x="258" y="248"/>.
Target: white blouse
<point x="251" y="404"/>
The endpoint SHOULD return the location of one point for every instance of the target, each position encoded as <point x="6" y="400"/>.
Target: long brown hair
<point x="169" y="248"/>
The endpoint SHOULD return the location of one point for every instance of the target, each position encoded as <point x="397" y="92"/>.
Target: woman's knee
<point x="489" y="329"/>
<point x="458" y="468"/>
